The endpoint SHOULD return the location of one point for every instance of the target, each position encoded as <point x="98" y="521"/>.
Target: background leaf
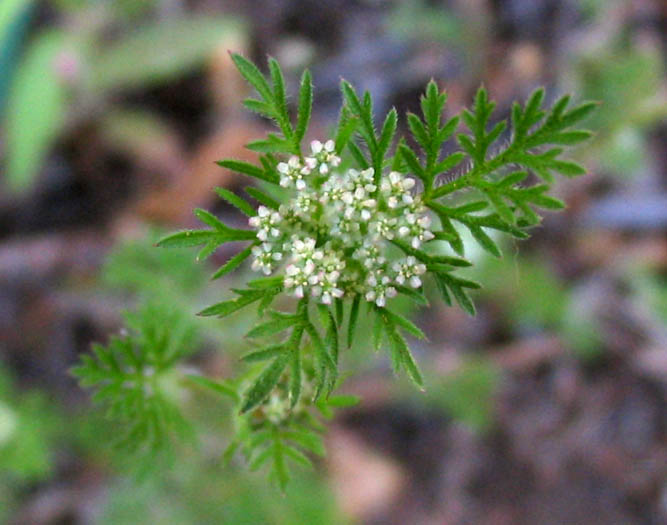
<point x="14" y="18"/>
<point x="36" y="110"/>
<point x="160" y="52"/>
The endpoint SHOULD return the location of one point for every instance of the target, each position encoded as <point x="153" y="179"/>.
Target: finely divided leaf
<point x="263" y="385"/>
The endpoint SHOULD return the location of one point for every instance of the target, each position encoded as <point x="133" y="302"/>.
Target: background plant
<point x="37" y="102"/>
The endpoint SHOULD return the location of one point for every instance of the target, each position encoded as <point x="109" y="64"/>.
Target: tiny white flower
<point x="368" y="174"/>
<point x="293" y="172"/>
<point x="409" y="271"/>
<point x="316" y="147"/>
<point x="323" y="156"/>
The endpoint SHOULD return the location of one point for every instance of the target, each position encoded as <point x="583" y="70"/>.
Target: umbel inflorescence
<point x="332" y="234"/>
<point x="357" y="220"/>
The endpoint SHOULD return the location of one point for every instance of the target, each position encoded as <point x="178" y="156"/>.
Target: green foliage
<point x="275" y="425"/>
<point x="133" y="378"/>
<point x="273" y="104"/>
<point x="282" y="431"/>
<point x="199" y="491"/>
<point x="36" y="109"/>
<point x="40" y="97"/>
<point x="487" y="185"/>
<point x="28" y="432"/>
<point x="164" y="275"/>
<point x="14" y="19"/>
<point x="9" y="10"/>
<point x="629" y="80"/>
<point x="535" y="298"/>
<point x="160" y="52"/>
<point x="467" y="393"/>
<point x="419" y="20"/>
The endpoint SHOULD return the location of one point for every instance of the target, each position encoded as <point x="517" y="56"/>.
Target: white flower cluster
<point x="332" y="234"/>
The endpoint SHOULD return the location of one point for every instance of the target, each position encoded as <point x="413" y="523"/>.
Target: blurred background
<point x="548" y="407"/>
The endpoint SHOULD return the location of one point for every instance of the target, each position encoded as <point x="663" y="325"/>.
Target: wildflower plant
<point x="364" y="217"/>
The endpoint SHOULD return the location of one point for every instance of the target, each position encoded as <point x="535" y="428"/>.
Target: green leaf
<point x="249" y="169"/>
<point x="208" y="218"/>
<point x="484" y="240"/>
<point x="264" y="354"/>
<point x="449" y="162"/>
<point x="264" y="384"/>
<point x="413" y="294"/>
<point x="326" y="369"/>
<point x="364" y="111"/>
<point x="401" y="355"/>
<point x="262" y="197"/>
<point x="275" y="281"/>
<point x="220" y="387"/>
<point x="457" y="287"/>
<point x="387" y="133"/>
<point x="295" y="375"/>
<point x="226" y="308"/>
<point x="258" y="106"/>
<point x="254" y="77"/>
<point x="307" y="439"/>
<point x="273" y="327"/>
<point x="280" y="98"/>
<point x="272" y="144"/>
<point x="207" y="251"/>
<point x="260" y="459"/>
<point x="342" y="401"/>
<point x="432" y="104"/>
<point x="378" y="328"/>
<point x="347" y="125"/>
<point x="501" y="207"/>
<point x="298" y="457"/>
<point x="568" y="168"/>
<point x="331" y="340"/>
<point x="10" y="10"/>
<point x="305" y="106"/>
<point x="36" y="109"/>
<point x="189" y="238"/>
<point x="404" y="323"/>
<point x="241" y="204"/>
<point x="234" y="262"/>
<point x="413" y="163"/>
<point x="279" y="468"/>
<point x="419" y="131"/>
<point x="339" y="307"/>
<point x="358" y="155"/>
<point x="15" y="17"/>
<point x="352" y="322"/>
